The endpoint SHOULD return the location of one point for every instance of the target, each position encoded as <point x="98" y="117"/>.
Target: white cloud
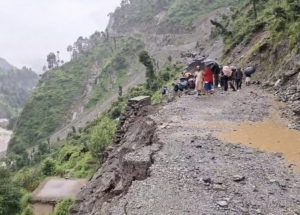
<point x="30" y="29"/>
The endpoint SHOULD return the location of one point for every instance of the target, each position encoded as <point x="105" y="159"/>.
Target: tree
<point x="101" y="137"/>
<point x="51" y="59"/>
<point x="10" y="195"/>
<point x="48" y="167"/>
<point x="146" y="60"/>
<point x="254" y="8"/>
<point x="44" y="68"/>
<point x="70" y="49"/>
<point x="58" y="61"/>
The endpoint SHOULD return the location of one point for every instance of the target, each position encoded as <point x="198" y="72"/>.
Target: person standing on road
<point x="208" y="80"/>
<point x="216" y="70"/>
<point x="239" y="79"/>
<point x="199" y="80"/>
<point x="248" y="79"/>
<point x="228" y="78"/>
<point x="164" y="90"/>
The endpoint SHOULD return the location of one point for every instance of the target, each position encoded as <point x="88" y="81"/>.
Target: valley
<point x="79" y="146"/>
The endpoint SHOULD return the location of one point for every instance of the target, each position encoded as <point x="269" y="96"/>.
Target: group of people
<point x="202" y="81"/>
<point x="223" y="77"/>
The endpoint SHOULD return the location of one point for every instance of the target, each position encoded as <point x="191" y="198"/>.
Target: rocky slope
<point x="170" y="160"/>
<point x="271" y="42"/>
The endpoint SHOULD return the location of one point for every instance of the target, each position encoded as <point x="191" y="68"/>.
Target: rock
<point x="223" y="204"/>
<point x="277" y="84"/>
<point x="218" y="187"/>
<point x="238" y="178"/>
<point x="289" y="65"/>
<point x="290" y="73"/>
<point x="207" y="180"/>
<point x="298" y="78"/>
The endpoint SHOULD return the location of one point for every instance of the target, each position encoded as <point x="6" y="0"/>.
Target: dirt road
<point x="201" y="169"/>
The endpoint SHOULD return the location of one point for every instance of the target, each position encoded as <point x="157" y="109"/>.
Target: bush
<point x="115" y="112"/>
<point x="25" y="200"/>
<point x="63" y="207"/>
<point x="48" y="167"/>
<point x="28" y="211"/>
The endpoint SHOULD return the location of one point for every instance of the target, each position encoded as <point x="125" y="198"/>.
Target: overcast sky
<point x="31" y="29"/>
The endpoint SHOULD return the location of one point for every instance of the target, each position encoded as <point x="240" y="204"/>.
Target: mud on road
<point x="199" y="172"/>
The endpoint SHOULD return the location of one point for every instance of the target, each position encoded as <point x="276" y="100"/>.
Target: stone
<point x="289" y="65"/>
<point x="277" y="84"/>
<point x="218" y="187"/>
<point x="222" y="204"/>
<point x="290" y="73"/>
<point x="238" y="178"/>
<point x="207" y="180"/>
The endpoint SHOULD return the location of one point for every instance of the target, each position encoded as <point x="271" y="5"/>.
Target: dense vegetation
<point x="15" y="88"/>
<point x="49" y="105"/>
<point x="10" y="196"/>
<point x="279" y="18"/>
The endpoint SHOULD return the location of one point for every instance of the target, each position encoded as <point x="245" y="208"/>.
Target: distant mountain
<point x="5" y="65"/>
<point x="15" y="88"/>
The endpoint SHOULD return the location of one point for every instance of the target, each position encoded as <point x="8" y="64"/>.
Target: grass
<point x="279" y="18"/>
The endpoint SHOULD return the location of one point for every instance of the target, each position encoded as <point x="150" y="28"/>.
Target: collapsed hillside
<point x="171" y="160"/>
<point x="16" y="86"/>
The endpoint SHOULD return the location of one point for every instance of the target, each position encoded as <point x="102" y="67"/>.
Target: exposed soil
<point x="198" y="170"/>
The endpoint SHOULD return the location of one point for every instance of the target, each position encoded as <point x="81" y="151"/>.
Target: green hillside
<point x="272" y="34"/>
<point x="50" y="103"/>
<point x="15" y="88"/>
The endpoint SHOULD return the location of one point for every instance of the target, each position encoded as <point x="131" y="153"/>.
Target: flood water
<point x="271" y="135"/>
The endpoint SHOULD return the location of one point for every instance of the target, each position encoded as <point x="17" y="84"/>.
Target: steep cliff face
<point x="15" y="88"/>
<point x="172" y="26"/>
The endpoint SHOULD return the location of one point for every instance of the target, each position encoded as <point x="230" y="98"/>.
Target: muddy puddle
<point x="271" y="135"/>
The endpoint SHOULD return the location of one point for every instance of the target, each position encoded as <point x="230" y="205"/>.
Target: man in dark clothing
<point x="238" y="78"/>
<point x="216" y="70"/>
